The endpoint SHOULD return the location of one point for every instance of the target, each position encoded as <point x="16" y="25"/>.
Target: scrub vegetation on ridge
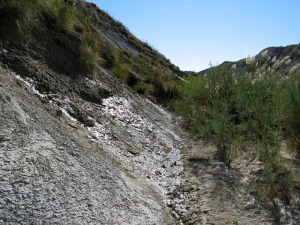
<point x="27" y="19"/>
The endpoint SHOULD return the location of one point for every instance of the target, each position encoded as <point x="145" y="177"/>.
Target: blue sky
<point x="195" y="33"/>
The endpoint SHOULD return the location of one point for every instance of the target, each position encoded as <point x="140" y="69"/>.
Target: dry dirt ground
<point x="216" y="194"/>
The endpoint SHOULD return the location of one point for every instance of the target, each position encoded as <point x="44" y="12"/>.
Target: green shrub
<point x="226" y="109"/>
<point x="193" y="97"/>
<point x="88" y="58"/>
<point x="237" y="113"/>
<point x="121" y="71"/>
<point x="275" y="181"/>
<point x="68" y="19"/>
<point x="208" y="105"/>
<point x="141" y="87"/>
<point x="293" y="112"/>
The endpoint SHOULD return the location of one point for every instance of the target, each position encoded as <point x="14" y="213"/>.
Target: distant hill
<point x="279" y="59"/>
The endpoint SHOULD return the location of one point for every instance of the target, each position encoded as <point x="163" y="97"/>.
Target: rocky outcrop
<point x="80" y="148"/>
<point x="53" y="171"/>
<point x="284" y="60"/>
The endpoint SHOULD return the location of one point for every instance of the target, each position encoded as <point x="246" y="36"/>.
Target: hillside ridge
<point x="284" y="59"/>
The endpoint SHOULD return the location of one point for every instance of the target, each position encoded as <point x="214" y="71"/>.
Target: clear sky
<point x="193" y="33"/>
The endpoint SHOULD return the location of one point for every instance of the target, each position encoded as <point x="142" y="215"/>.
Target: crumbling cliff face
<point x="73" y="158"/>
<point x="78" y="146"/>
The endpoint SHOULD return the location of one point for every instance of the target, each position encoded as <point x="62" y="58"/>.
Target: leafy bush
<point x="276" y="181"/>
<point x="208" y="105"/>
<point x="238" y="112"/>
<point x="157" y="83"/>
<point x="88" y="58"/>
<point x="293" y="112"/>
<point x="141" y="87"/>
<point x="68" y="18"/>
<point x="121" y="70"/>
<point x="225" y="108"/>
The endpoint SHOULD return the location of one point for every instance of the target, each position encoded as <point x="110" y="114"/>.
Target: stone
<point x="4" y="137"/>
<point x="59" y="113"/>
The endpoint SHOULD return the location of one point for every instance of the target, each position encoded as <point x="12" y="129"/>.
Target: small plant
<point x="293" y="112"/>
<point x="88" y="58"/>
<point x="141" y="87"/>
<point x="121" y="71"/>
<point x="235" y="222"/>
<point x="275" y="181"/>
